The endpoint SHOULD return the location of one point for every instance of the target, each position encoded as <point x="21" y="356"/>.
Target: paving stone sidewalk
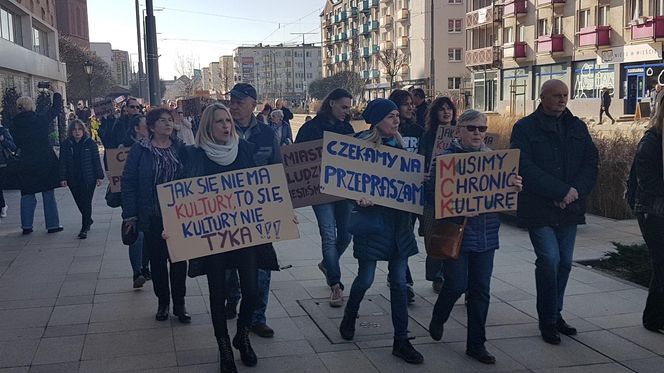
<point x="67" y="305"/>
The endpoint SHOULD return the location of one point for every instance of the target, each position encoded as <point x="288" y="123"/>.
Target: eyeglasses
<point x="473" y="128"/>
<point x="134" y="107"/>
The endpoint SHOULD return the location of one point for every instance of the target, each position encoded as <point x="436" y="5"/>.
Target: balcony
<point x="327" y="61"/>
<point x="343" y="57"/>
<point x="386" y="45"/>
<point x="547" y="3"/>
<point x="405" y="69"/>
<point x="326" y="37"/>
<point x="594" y="36"/>
<point x="375" y="49"/>
<point x="354" y="32"/>
<point x="651" y="29"/>
<point x="365" y="52"/>
<point x="513" y="8"/>
<point x="386" y="21"/>
<point x="483" y="56"/>
<point x="551" y="44"/>
<point x="340" y="17"/>
<point x="375" y="73"/>
<point x="403" y="42"/>
<point x="484" y="16"/>
<point x="515" y="50"/>
<point x="386" y="1"/>
<point x="366" y="28"/>
<point x="326" y="22"/>
<point x="366" y="5"/>
<point x="354" y="12"/>
<point x="374" y="25"/>
<point x="403" y="15"/>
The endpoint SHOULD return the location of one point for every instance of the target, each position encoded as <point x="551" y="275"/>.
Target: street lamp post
<point x="88" y="70"/>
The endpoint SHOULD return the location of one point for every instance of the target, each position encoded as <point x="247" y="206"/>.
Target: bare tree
<point x="392" y="61"/>
<point x="184" y="66"/>
<point x="226" y="73"/>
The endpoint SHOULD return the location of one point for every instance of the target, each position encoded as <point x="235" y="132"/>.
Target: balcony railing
<point x="484" y="16"/>
<point x="515" y="50"/>
<point x="544" y="3"/>
<point x="403" y="42"/>
<point x="595" y="36"/>
<point x="386" y="21"/>
<point x="375" y="49"/>
<point x="652" y="28"/>
<point x="375" y="73"/>
<point x="374" y="25"/>
<point x="327" y="61"/>
<point x="483" y="56"/>
<point x="551" y="44"/>
<point x="515" y="8"/>
<point x="366" y="52"/>
<point x="386" y="45"/>
<point x="403" y="15"/>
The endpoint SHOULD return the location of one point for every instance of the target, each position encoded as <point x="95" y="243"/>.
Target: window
<point x="584" y="18"/>
<point x="659" y="8"/>
<point x="454" y="1"/>
<point x="542" y="27"/>
<point x="10" y="26"/>
<point x="454" y="54"/>
<point x="548" y="72"/>
<point x="557" y="25"/>
<point x="590" y="78"/>
<point x="511" y="79"/>
<point x="603" y="15"/>
<point x="454" y="26"/>
<point x="635" y="9"/>
<point x="520" y="33"/>
<point x="39" y="41"/>
<point x="508" y="35"/>
<point x="454" y="83"/>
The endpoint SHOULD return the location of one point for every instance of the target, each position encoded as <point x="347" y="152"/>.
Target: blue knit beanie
<point x="377" y="110"/>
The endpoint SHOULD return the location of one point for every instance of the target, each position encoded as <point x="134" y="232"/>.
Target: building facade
<point x="120" y="67"/>
<point x="215" y="78"/>
<point x="226" y="74"/>
<point x="72" y="20"/>
<point x="29" y="52"/>
<point x="278" y="71"/>
<point x="370" y="36"/>
<point x="517" y="45"/>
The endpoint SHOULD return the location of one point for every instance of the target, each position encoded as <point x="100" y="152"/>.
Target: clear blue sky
<point x="205" y="29"/>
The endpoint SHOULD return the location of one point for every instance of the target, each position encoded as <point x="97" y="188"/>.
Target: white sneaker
<point x="336" y="296"/>
<point x="3" y="212"/>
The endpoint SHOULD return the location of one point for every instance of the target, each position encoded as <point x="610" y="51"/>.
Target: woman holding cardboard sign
<point x="381" y="233"/>
<point x="471" y="272"/>
<point x="219" y="149"/>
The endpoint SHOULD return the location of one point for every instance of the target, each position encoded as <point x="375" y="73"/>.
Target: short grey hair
<point x="470" y="115"/>
<point x="25" y="103"/>
<point x="278" y="113"/>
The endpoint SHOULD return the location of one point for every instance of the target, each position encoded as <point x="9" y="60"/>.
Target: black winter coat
<point x="38" y="167"/>
<point x="649" y="174"/>
<point x="551" y="163"/>
<point x="196" y="163"/>
<point x="315" y="128"/>
<point x="85" y="170"/>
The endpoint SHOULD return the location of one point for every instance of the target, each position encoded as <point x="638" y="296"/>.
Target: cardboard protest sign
<point x="115" y="161"/>
<point x="445" y="135"/>
<point x="217" y="213"/>
<point x="302" y="166"/>
<point x="475" y="183"/>
<point x="356" y="169"/>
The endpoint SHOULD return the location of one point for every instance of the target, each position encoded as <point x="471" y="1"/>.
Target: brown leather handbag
<point x="444" y="239"/>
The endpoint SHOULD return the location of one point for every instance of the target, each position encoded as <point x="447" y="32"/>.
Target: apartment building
<point x="514" y="46"/>
<point x="29" y="51"/>
<point x="278" y="71"/>
<point x="356" y="32"/>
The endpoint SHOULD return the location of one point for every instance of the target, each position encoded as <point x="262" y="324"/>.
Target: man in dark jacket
<point x="420" y="101"/>
<point x="120" y="130"/>
<point x="606" y="102"/>
<point x="282" y="105"/>
<point x="559" y="168"/>
<point x="266" y="152"/>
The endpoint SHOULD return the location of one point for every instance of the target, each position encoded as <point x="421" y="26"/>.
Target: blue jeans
<point x="136" y="254"/>
<point x="333" y="227"/>
<point x="263" y="294"/>
<point x="28" y="205"/>
<point x="554" y="247"/>
<point x="470" y="274"/>
<point x="398" y="293"/>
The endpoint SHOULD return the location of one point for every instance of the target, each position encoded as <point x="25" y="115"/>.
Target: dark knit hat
<point x="377" y="110"/>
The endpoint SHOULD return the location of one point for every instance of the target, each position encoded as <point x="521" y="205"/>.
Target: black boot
<point x="162" y="312"/>
<point x="181" y="313"/>
<point x="403" y="349"/>
<point x="347" y="327"/>
<point x="226" y="358"/>
<point x="241" y="342"/>
<point x="436" y="328"/>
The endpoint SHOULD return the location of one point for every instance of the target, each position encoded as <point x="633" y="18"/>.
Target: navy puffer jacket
<point x="396" y="241"/>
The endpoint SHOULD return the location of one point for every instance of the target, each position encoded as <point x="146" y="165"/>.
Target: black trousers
<point x="83" y="197"/>
<point x="3" y="174"/>
<point x="245" y="262"/>
<point x="159" y="262"/>
<point x="652" y="228"/>
<point x="605" y="110"/>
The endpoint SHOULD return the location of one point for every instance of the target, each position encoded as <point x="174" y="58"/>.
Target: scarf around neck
<point x="222" y="155"/>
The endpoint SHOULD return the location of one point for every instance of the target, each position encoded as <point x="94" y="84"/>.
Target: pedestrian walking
<point x="471" y="272"/>
<point x="114" y="136"/>
<point x="38" y="165"/>
<point x="81" y="170"/>
<point x="649" y="209"/>
<point x="392" y="241"/>
<point x="606" y="103"/>
<point x="442" y="112"/>
<point x="7" y="151"/>
<point x="282" y="105"/>
<point x="219" y="149"/>
<point x="266" y="152"/>
<point x="152" y="161"/>
<point x="332" y="217"/>
<point x="282" y="130"/>
<point x="559" y="168"/>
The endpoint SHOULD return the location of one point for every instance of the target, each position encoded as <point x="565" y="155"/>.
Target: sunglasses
<point x="473" y="128"/>
<point x="134" y="107"/>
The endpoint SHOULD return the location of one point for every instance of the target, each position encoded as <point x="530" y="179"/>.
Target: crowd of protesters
<point x="558" y="169"/>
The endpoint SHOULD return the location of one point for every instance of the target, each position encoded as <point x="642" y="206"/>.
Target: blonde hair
<point x="657" y="121"/>
<point x="25" y="103"/>
<point x="204" y="134"/>
<point x="72" y="126"/>
<point x="376" y="138"/>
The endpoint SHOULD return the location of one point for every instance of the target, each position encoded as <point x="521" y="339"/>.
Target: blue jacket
<point x="481" y="232"/>
<point x="266" y="146"/>
<point x="138" y="186"/>
<point x="396" y="241"/>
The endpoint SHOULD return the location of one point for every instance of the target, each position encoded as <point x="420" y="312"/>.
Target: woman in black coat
<point x="38" y="167"/>
<point x="80" y="170"/>
<point x="219" y="149"/>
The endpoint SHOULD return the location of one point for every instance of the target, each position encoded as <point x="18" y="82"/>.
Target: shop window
<point x="548" y="72"/>
<point x="590" y="78"/>
<point x="513" y="77"/>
